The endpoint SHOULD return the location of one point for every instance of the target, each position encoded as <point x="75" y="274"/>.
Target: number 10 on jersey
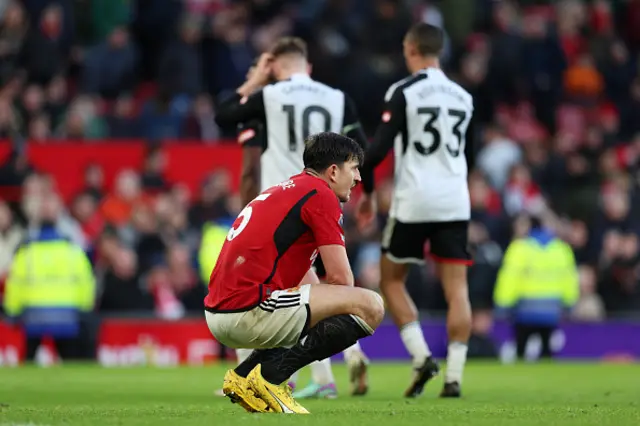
<point x="290" y="110"/>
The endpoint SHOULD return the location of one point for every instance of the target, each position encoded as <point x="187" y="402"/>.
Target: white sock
<point x="456" y="358"/>
<point x="294" y="378"/>
<point x="243" y="354"/>
<point x="413" y="340"/>
<point x="321" y="372"/>
<point x="353" y="351"/>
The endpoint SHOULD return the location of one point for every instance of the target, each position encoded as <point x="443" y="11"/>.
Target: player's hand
<point x="366" y="211"/>
<point x="258" y="77"/>
<point x="262" y="73"/>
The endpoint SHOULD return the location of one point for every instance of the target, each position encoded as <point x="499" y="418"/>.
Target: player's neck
<point x="312" y="173"/>
<point x="287" y="74"/>
<point x="424" y="63"/>
<point x="315" y="174"/>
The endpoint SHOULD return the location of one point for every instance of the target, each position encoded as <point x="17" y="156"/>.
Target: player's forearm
<point x="336" y="264"/>
<point x="470" y="154"/>
<point x="250" y="179"/>
<point x="249" y="189"/>
<point x="227" y="112"/>
<point x="375" y="155"/>
<point x="239" y="109"/>
<point x="355" y="132"/>
<point x="368" y="180"/>
<point x="248" y="88"/>
<point x="340" y="279"/>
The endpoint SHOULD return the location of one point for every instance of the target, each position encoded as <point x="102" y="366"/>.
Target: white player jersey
<point x="430" y="162"/>
<point x="295" y="109"/>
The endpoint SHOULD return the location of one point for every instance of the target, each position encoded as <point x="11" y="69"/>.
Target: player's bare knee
<point x="371" y="308"/>
<point x="377" y="308"/>
<point x="459" y="296"/>
<point x="456" y="290"/>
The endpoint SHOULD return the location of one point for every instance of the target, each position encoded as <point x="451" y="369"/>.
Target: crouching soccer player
<point x="255" y="300"/>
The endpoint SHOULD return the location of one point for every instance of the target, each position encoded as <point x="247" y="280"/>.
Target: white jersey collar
<point x="300" y="76"/>
<point x="431" y="70"/>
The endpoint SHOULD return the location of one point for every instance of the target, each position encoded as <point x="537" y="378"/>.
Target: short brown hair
<point x="289" y="46"/>
<point x="428" y="39"/>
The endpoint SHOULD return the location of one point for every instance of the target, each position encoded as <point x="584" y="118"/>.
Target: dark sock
<point x="327" y="338"/>
<point x="256" y="357"/>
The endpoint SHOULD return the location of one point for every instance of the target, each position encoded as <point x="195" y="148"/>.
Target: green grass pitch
<point x="494" y="395"/>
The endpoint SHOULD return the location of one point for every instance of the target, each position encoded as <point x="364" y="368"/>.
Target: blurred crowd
<point x="556" y="88"/>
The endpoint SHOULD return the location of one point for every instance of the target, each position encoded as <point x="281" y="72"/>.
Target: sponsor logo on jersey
<point x="286" y="185"/>
<point x="386" y="116"/>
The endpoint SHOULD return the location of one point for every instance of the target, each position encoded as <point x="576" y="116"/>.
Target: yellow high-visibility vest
<point x="213" y="238"/>
<point x="531" y="270"/>
<point x="53" y="274"/>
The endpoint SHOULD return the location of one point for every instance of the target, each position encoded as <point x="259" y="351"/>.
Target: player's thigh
<point x="404" y="242"/>
<point x="449" y="249"/>
<point x="278" y="321"/>
<point x="402" y="245"/>
<point x="392" y="274"/>
<point x="327" y="300"/>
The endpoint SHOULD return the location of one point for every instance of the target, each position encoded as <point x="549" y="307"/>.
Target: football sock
<point x="456" y="358"/>
<point x="352" y="351"/>
<point x="243" y="354"/>
<point x="415" y="343"/>
<point x="327" y="338"/>
<point x="255" y="358"/>
<point x="243" y="369"/>
<point x="321" y="373"/>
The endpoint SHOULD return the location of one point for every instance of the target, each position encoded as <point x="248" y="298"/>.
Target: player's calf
<point x="329" y="337"/>
<point x="454" y="280"/>
<point x="392" y="285"/>
<point x="340" y="316"/>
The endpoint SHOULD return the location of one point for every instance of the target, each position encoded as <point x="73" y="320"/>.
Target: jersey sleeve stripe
<point x="290" y="229"/>
<point x="349" y="127"/>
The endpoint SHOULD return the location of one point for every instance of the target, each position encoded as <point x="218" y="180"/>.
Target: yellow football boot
<point x="278" y="398"/>
<point x="237" y="389"/>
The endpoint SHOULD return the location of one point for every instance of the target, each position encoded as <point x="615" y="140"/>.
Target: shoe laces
<point x="288" y="389"/>
<point x="289" y="392"/>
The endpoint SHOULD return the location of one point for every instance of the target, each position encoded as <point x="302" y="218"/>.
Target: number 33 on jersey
<point x="426" y="120"/>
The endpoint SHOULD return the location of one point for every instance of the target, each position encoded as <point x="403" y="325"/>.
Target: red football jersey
<point x="273" y="243"/>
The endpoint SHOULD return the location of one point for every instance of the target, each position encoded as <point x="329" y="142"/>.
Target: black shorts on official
<point x="405" y="242"/>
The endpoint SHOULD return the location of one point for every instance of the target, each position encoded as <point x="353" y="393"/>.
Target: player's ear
<point x="309" y="68"/>
<point x="333" y="172"/>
